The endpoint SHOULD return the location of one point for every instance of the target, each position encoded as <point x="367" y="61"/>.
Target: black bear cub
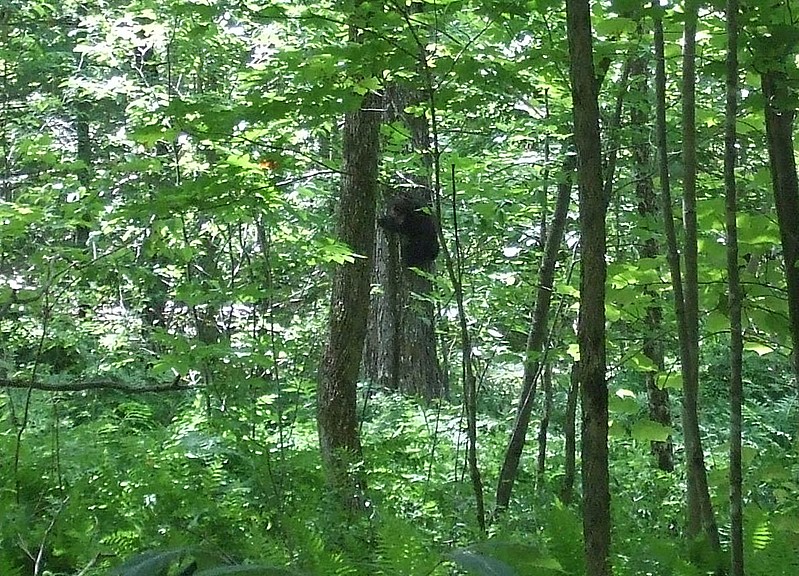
<point x="417" y="229"/>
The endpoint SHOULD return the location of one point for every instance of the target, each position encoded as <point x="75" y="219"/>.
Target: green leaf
<point x="150" y="563"/>
<point x="253" y="570"/>
<point x="502" y="558"/>
<point x="758" y="348"/>
<point x="370" y="84"/>
<point x="669" y="380"/>
<point x="623" y="403"/>
<point x="642" y="363"/>
<point x="477" y="563"/>
<point x="650" y="431"/>
<point x="717" y="321"/>
<point x="573" y="351"/>
<point x="613" y="27"/>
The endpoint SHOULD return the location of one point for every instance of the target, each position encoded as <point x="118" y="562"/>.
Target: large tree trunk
<point x="382" y="349"/>
<point x="779" y="135"/>
<point x="336" y="393"/>
<point x="400" y="351"/>
<point x="591" y="322"/>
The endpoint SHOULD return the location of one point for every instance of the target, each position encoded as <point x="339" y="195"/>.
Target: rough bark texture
<point x="420" y="372"/>
<point x="381" y="355"/>
<point x="401" y="345"/>
<point x="336" y="393"/>
<point x="648" y="210"/>
<point x="779" y="136"/>
<point x="591" y="322"/>
<point x="735" y="297"/>
<point x="536" y="339"/>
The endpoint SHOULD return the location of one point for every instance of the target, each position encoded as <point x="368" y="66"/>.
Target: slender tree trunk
<point x="455" y="270"/>
<point x="454" y="266"/>
<point x="694" y="455"/>
<point x="453" y="262"/>
<point x="591" y="322"/>
<point x="779" y="136"/>
<point x="536" y="339"/>
<point x="470" y="408"/>
<point x="735" y="296"/>
<point x="544" y="427"/>
<point x="336" y="392"/>
<point x="570" y="435"/>
<point x="659" y="410"/>
<point x="84" y="155"/>
<point x="83" y="110"/>
<point x="700" y="510"/>
<point x="672" y="252"/>
<point x="612" y="135"/>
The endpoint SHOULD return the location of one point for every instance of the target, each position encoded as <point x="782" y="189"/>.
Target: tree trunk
<point x="591" y="322"/>
<point x="544" y="427"/>
<point x="648" y="209"/>
<point x="779" y="136"/>
<point x="735" y="297"/>
<point x="401" y="347"/>
<point x="700" y="510"/>
<point x="84" y="155"/>
<point x="536" y="339"/>
<point x="83" y="114"/>
<point x="454" y="266"/>
<point x="570" y="435"/>
<point x="693" y="452"/>
<point x="382" y="349"/>
<point x="336" y="392"/>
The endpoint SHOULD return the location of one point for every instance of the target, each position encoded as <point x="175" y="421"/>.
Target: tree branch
<point x="176" y="384"/>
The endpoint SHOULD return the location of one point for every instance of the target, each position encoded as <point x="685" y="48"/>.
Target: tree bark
<point x="570" y="435"/>
<point x="543" y="429"/>
<point x="536" y="339"/>
<point x="382" y="348"/>
<point x="336" y="392"/>
<point x="591" y="322"/>
<point x="779" y="137"/>
<point x="700" y="510"/>
<point x="735" y="296"/>
<point x="648" y="210"/>
<point x="401" y="348"/>
<point x="694" y="455"/>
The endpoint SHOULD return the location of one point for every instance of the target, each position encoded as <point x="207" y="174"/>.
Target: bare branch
<point x="80" y="386"/>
